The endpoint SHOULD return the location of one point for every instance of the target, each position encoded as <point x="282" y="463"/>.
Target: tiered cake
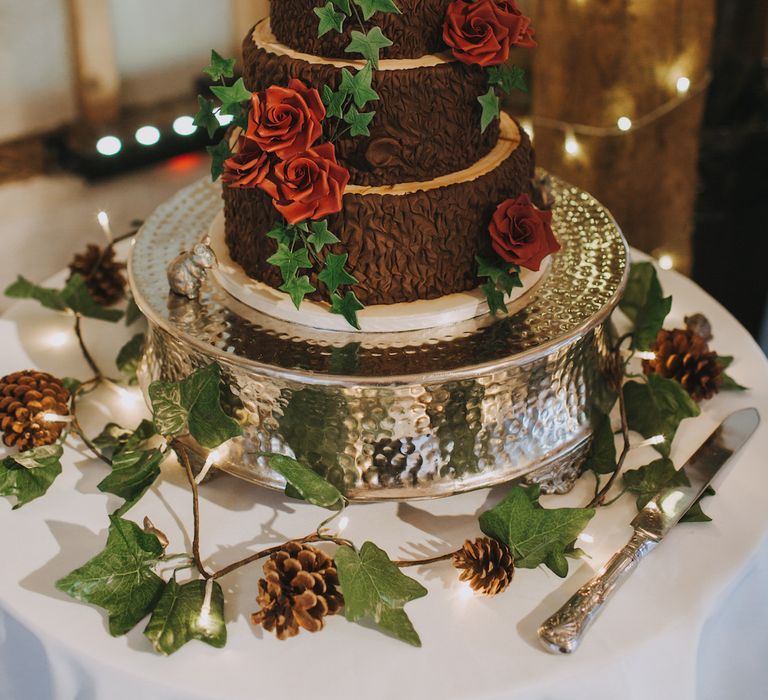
<point x="393" y="193"/>
<point x="425" y="180"/>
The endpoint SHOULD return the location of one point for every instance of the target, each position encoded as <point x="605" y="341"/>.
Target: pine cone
<point x="685" y="356"/>
<point x="486" y="564"/>
<point x="24" y="398"/>
<point x="299" y="590"/>
<point x="103" y="274"/>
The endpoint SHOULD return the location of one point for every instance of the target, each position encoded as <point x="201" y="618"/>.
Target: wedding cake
<point x="372" y="166"/>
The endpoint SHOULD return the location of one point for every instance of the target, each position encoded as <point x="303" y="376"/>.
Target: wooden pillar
<point x="599" y="60"/>
<point x="97" y="78"/>
<point x="245" y="13"/>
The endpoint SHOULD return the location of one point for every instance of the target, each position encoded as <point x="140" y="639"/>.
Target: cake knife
<point x="562" y="632"/>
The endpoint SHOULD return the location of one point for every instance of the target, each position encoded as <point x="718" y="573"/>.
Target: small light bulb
<point x="586" y="537"/>
<point x="109" y="145"/>
<point x="184" y="126"/>
<point x="103" y="218"/>
<point x="55" y="418"/>
<point x="224" y="119"/>
<point x="624" y="123"/>
<point x="646" y="355"/>
<point x="683" y="85"/>
<point x="148" y="135"/>
<point x="214" y="456"/>
<point x="527" y="125"/>
<point x="571" y="145"/>
<point x="666" y="262"/>
<point x="343" y="522"/>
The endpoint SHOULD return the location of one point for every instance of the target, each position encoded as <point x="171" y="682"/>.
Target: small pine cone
<point x="25" y="397"/>
<point x="103" y="274"/>
<point x="486" y="564"/>
<point x="299" y="588"/>
<point x="685" y="356"/>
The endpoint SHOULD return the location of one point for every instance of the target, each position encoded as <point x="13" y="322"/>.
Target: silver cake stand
<point x="399" y="415"/>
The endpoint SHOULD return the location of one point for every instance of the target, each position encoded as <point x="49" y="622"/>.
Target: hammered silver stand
<point x="398" y="415"/>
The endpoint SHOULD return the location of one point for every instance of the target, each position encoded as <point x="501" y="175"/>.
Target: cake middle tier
<point x="427" y="119"/>
<point x="405" y="242"/>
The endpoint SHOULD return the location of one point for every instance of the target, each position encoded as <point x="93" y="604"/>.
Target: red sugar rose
<point x="308" y="185"/>
<point x="521" y="234"/>
<point x="480" y="32"/>
<point x="286" y="121"/>
<point x="247" y="167"/>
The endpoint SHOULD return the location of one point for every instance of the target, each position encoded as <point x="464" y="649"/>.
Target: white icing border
<point x="382" y="318"/>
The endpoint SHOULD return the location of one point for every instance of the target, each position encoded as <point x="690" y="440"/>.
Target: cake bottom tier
<point x="405" y="242"/>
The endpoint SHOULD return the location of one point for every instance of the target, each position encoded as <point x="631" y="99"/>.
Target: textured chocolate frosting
<point x="415" y="32"/>
<point x="427" y="119"/>
<point x="418" y="245"/>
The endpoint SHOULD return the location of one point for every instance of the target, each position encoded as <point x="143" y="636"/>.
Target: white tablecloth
<point x="691" y="623"/>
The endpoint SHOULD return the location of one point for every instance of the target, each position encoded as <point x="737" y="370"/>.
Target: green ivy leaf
<point x="219" y="154"/>
<point x="220" y="67"/>
<point x="500" y="273"/>
<point x="133" y="472"/>
<point x="490" y="104"/>
<point x="129" y="356"/>
<point x="358" y="86"/>
<point x="297" y="288"/>
<point x="602" y="453"/>
<point x="347" y="306"/>
<point x="306" y="482"/>
<point x="115" y="437"/>
<point x="368" y="45"/>
<point x="645" y="482"/>
<point x="71" y="384"/>
<point x="77" y="297"/>
<point x="330" y="20"/>
<point x="495" y="297"/>
<point x="289" y="261"/>
<point x="725" y="361"/>
<point x="193" y="404"/>
<point x="334" y="275"/>
<point x="374" y="588"/>
<point x="371" y="7"/>
<point x="695" y="514"/>
<point x="508" y="78"/>
<point x="321" y="236"/>
<point x="657" y="407"/>
<point x="535" y="535"/>
<point x="728" y="383"/>
<point x="120" y="579"/>
<point x="359" y="121"/>
<point x="183" y="614"/>
<point x="28" y="475"/>
<point x="206" y="116"/>
<point x="132" y="312"/>
<point x="343" y="5"/>
<point x="22" y="288"/>
<point x="644" y="304"/>
<point x="334" y="101"/>
<point x="231" y="95"/>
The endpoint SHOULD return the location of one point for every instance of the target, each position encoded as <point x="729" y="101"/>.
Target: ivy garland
<point x="125" y="578"/>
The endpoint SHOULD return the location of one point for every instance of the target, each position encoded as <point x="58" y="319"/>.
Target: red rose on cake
<point x="286" y="120"/>
<point x="248" y="166"/>
<point x="308" y="185"/>
<point x="480" y="32"/>
<point x="521" y="234"/>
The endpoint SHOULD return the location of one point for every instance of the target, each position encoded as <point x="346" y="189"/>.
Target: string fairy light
<point x="666" y="261"/>
<point x="624" y="124"/>
<point x="103" y="218"/>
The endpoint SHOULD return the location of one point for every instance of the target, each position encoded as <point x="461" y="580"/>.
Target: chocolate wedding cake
<point x="407" y="161"/>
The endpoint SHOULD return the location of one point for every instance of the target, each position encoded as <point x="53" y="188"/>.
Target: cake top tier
<point x="415" y="32"/>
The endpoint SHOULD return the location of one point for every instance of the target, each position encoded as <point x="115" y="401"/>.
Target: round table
<point x="690" y="623"/>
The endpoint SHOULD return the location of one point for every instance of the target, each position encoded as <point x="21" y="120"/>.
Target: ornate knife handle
<point x="562" y="633"/>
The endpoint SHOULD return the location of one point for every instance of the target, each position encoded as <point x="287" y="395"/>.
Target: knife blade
<point x="562" y="632"/>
